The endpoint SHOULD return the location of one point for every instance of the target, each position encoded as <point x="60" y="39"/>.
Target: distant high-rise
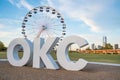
<point x="99" y="47"/>
<point x="93" y="46"/>
<point x="104" y="41"/>
<point x="116" y="46"/>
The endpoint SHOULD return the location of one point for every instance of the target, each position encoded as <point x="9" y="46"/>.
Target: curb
<point x="100" y="63"/>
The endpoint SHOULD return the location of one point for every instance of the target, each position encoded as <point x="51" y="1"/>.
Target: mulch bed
<point x="90" y="72"/>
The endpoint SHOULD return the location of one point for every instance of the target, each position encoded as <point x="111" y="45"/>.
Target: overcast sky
<point x="92" y="19"/>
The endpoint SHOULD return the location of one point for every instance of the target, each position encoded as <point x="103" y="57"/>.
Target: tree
<point x="108" y="46"/>
<point x="2" y="46"/>
<point x="88" y="48"/>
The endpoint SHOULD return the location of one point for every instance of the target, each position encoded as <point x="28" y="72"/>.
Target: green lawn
<point x="109" y="58"/>
<point x="3" y="55"/>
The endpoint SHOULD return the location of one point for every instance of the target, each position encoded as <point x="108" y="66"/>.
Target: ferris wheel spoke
<point x="55" y="24"/>
<point x="46" y="19"/>
<point x="47" y="34"/>
<point x="50" y="34"/>
<point x="35" y="19"/>
<point x="32" y="22"/>
<point x="55" y="29"/>
<point x="53" y="20"/>
<point x="56" y="33"/>
<point x="31" y="28"/>
<point x="30" y="25"/>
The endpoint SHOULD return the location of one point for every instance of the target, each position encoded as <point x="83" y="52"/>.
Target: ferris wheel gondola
<point x="43" y="22"/>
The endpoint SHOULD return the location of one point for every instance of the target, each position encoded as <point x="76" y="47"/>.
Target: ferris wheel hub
<point x="44" y="27"/>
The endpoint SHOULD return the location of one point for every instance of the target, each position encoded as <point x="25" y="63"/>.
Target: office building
<point x="104" y="41"/>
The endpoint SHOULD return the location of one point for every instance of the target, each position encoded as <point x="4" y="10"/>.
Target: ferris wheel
<point x="43" y="22"/>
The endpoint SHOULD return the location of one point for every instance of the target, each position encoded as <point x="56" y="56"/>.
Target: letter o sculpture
<point x="14" y="47"/>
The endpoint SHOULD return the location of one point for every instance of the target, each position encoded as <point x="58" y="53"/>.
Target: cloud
<point x="11" y="1"/>
<point x="26" y="4"/>
<point x="93" y="13"/>
<point x="80" y="10"/>
<point x="46" y="3"/>
<point x="3" y="33"/>
<point x="9" y="29"/>
<point x="6" y="24"/>
<point x="91" y="24"/>
<point x="2" y="26"/>
<point x="85" y="10"/>
<point x="50" y="3"/>
<point x="7" y="36"/>
<point x="21" y="3"/>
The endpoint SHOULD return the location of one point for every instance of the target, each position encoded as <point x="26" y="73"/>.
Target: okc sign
<point x="38" y="53"/>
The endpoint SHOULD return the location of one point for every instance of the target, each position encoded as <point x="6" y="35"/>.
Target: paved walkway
<point x="90" y="72"/>
<point x="100" y="63"/>
<point x="3" y="60"/>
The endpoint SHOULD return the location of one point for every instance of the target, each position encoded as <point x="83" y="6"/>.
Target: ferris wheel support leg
<point x="39" y="33"/>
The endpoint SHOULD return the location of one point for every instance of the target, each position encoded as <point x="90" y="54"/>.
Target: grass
<point x="109" y="58"/>
<point x="3" y="55"/>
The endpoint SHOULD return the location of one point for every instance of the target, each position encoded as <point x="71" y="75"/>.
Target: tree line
<point x="107" y="46"/>
<point x="2" y="46"/>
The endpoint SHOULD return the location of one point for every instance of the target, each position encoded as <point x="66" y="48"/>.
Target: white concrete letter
<point x="41" y="56"/>
<point x="62" y="53"/>
<point x="14" y="47"/>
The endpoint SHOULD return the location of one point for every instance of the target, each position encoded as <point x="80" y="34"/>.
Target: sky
<point x="91" y="19"/>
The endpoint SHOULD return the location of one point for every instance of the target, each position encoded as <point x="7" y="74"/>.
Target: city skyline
<point x="104" y="43"/>
<point x="90" y="19"/>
